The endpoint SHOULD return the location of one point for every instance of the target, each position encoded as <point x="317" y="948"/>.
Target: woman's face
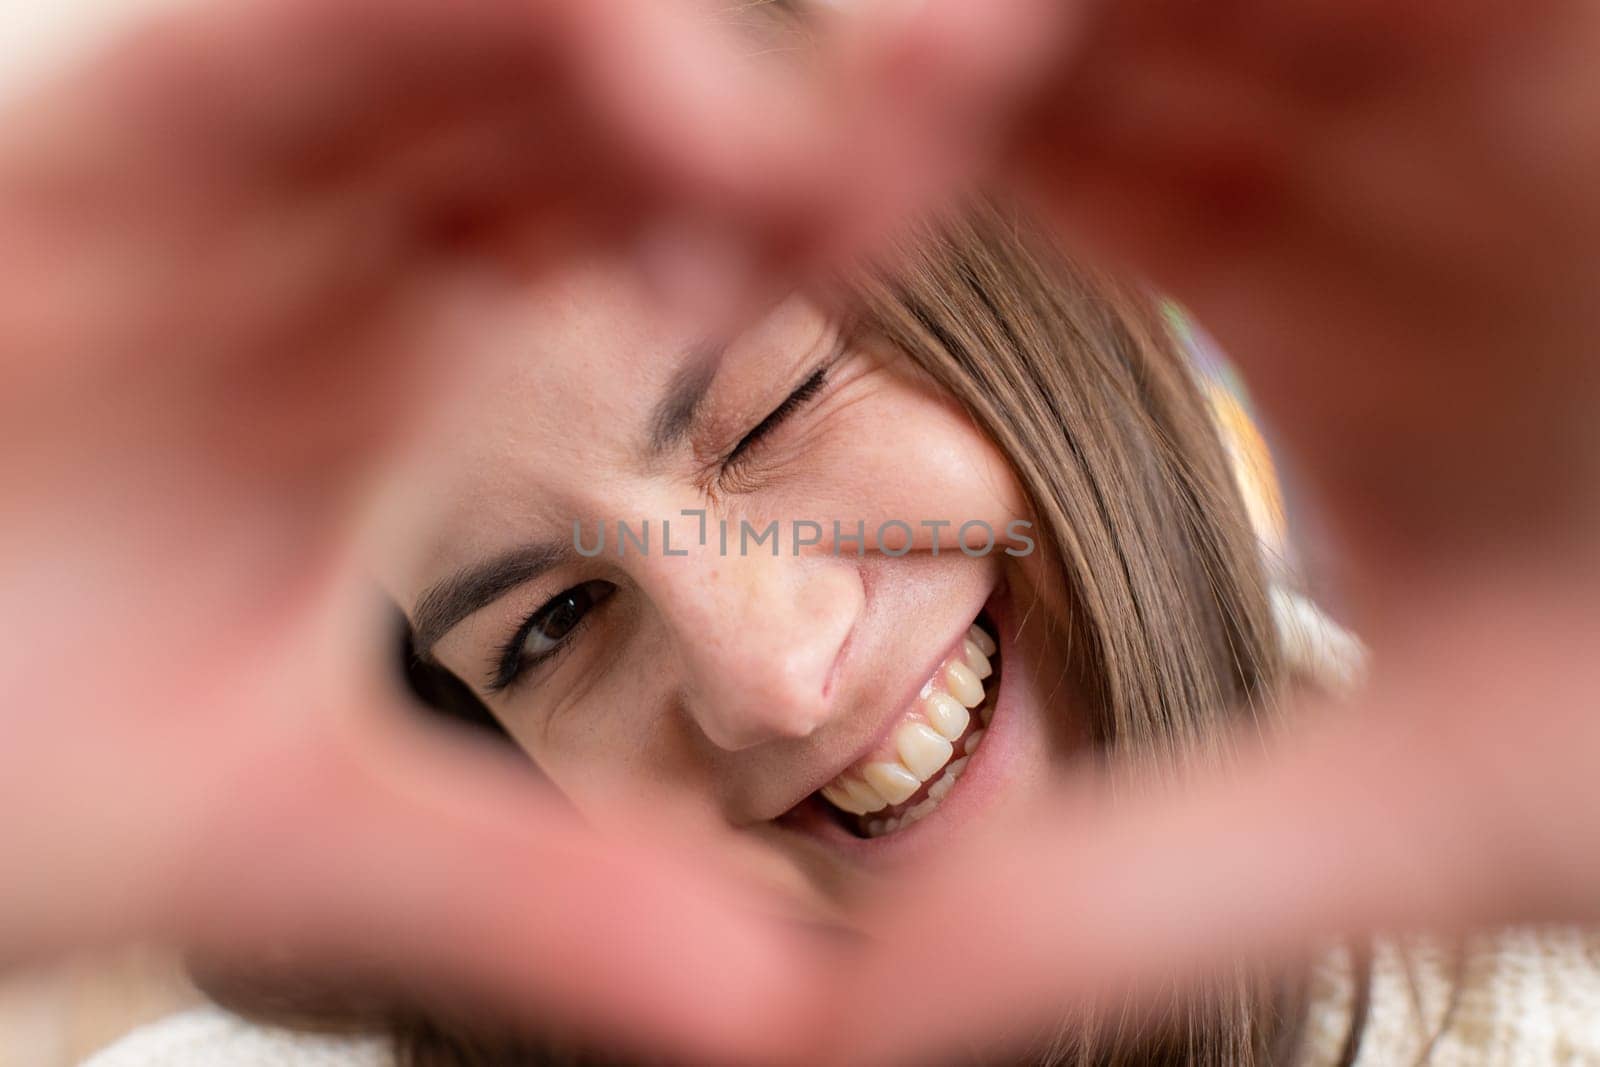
<point x="820" y="693"/>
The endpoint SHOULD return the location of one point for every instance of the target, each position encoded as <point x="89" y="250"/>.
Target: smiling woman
<point x="234" y="240"/>
<point x="848" y="709"/>
<point x="835" y="708"/>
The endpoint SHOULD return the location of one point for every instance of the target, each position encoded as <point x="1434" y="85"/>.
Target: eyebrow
<point x="473" y="588"/>
<point x="446" y="603"/>
<point x="674" y="415"/>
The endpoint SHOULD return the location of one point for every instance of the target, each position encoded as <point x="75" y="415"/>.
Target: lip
<point x="980" y="782"/>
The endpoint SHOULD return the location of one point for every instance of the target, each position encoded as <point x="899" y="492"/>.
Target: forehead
<point x="557" y="407"/>
<point x="590" y="349"/>
<point x="557" y="420"/>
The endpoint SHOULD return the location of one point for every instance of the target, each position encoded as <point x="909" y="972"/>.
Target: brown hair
<point x="1079" y="380"/>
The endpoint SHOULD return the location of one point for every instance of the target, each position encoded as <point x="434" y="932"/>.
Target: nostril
<point x="806" y="725"/>
<point x="796" y="703"/>
<point x="796" y="717"/>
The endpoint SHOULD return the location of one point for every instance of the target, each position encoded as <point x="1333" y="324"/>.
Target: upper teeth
<point x="924" y="744"/>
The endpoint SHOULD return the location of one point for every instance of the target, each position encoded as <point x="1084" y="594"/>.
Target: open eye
<point x="546" y="630"/>
<point x="553" y="622"/>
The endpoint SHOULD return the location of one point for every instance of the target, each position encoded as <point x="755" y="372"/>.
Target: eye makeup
<point x="547" y="633"/>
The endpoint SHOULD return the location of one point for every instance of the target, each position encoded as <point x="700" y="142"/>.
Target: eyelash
<point x="512" y="665"/>
<point x="807" y="391"/>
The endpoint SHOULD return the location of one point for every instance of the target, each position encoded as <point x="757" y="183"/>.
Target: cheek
<point x="616" y="745"/>
<point x="918" y="459"/>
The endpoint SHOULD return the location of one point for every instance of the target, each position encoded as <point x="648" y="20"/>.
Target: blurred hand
<point x="1387" y="214"/>
<point x="231" y="250"/>
<point x="230" y="247"/>
<point x="1385" y="211"/>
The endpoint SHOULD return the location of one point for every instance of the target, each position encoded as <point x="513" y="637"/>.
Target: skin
<point x="724" y="688"/>
<point x="1431" y="224"/>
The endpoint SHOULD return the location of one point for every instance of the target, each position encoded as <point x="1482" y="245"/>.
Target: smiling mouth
<point x="907" y="779"/>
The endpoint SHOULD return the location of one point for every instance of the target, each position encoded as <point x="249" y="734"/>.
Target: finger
<point x="1428" y="810"/>
<point x="920" y="97"/>
<point x="431" y="126"/>
<point x="301" y="87"/>
<point x="243" y="793"/>
<point x="1265" y="208"/>
<point x="420" y="867"/>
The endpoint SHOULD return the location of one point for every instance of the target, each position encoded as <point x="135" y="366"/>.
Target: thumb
<point x="411" y="862"/>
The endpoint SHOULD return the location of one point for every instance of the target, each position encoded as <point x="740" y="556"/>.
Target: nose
<point x="756" y="639"/>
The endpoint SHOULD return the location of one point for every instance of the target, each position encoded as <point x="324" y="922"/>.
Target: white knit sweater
<point x="1522" y="998"/>
<point x="211" y="1037"/>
